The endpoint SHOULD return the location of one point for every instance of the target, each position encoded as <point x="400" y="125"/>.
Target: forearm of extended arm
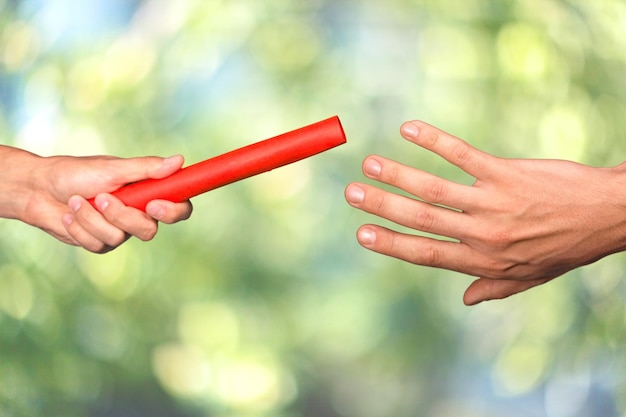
<point x="18" y="182"/>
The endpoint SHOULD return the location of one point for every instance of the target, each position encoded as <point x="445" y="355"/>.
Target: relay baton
<point x="235" y="165"/>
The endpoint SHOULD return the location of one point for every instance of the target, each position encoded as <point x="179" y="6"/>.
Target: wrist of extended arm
<point x="616" y="196"/>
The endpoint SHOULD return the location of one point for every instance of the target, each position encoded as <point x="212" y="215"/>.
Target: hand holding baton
<point x="235" y="165"/>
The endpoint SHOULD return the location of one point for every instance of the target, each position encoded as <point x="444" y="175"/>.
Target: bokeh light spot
<point x="100" y="332"/>
<point x="286" y="46"/>
<point x="520" y="368"/>
<point x="16" y="291"/>
<point x="116" y="274"/>
<point x="183" y="370"/>
<point x="87" y="85"/>
<point x="212" y="326"/>
<point x="128" y="61"/>
<point x="455" y="53"/>
<point x="21" y="46"/>
<point x="524" y="53"/>
<point x="563" y="135"/>
<point x="254" y="384"/>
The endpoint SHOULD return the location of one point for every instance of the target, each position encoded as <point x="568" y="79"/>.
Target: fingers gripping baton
<point x="235" y="165"/>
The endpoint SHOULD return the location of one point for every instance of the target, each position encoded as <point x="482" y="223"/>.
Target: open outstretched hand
<point x="522" y="223"/>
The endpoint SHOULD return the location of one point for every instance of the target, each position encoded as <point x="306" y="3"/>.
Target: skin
<point x="521" y="224"/>
<point x="51" y="193"/>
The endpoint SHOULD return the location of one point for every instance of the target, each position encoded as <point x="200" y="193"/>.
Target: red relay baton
<point x="235" y="165"/>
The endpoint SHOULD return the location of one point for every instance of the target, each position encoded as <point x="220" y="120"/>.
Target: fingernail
<point x="372" y="167"/>
<point x="68" y="219"/>
<point x="101" y="202"/>
<point x="75" y="203"/>
<point x="355" y="194"/>
<point x="366" y="236"/>
<point x="409" y="130"/>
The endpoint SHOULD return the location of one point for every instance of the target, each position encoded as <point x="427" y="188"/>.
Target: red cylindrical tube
<point x="236" y="165"/>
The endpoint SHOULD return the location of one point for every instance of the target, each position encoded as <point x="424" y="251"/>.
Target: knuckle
<point x="429" y="138"/>
<point x="96" y="247"/>
<point x="500" y="240"/>
<point x="394" y="244"/>
<point x="116" y="238"/>
<point x="148" y="233"/>
<point x="113" y="216"/>
<point x="431" y="255"/>
<point x="461" y="153"/>
<point x="380" y="203"/>
<point x="148" y="164"/>
<point x="390" y="173"/>
<point x="424" y="220"/>
<point x="436" y="192"/>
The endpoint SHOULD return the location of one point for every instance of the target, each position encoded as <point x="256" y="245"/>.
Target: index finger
<point x="475" y="162"/>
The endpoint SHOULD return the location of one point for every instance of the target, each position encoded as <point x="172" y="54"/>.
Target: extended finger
<point x="424" y="185"/>
<point x="418" y="250"/>
<point x="127" y="220"/>
<point x="409" y="212"/>
<point x="477" y="163"/>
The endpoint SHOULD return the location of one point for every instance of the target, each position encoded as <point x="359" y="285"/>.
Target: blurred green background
<point x="263" y="304"/>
